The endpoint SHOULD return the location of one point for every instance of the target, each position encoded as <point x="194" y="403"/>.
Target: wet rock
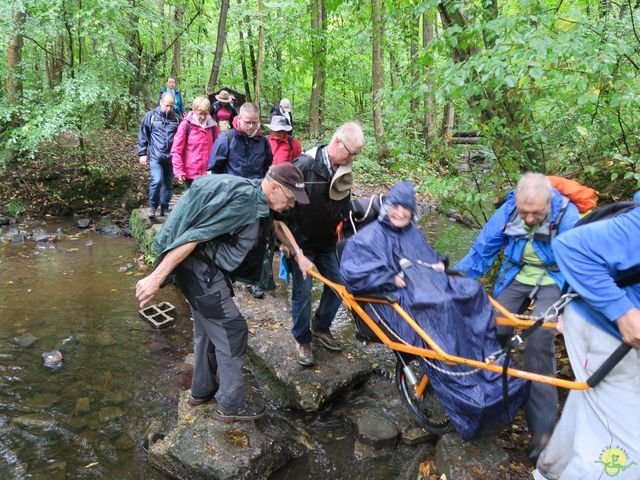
<point x="40" y="235"/>
<point x="126" y="268"/>
<point x="104" y="226"/>
<point x="106" y="414"/>
<point x="124" y="443"/>
<point x="83" y="405"/>
<point x="35" y="420"/>
<point x="460" y="460"/>
<point x="380" y="393"/>
<point x="39" y="401"/>
<point x="83" y="223"/>
<point x="16" y="236"/>
<point x="5" y="220"/>
<point x="373" y="428"/>
<point x="52" y="359"/>
<point x="271" y="350"/>
<point x="202" y="448"/>
<point x="26" y="340"/>
<point x="117" y="396"/>
<point x="362" y="451"/>
<point x="67" y="345"/>
<point x="104" y="338"/>
<point x="88" y="243"/>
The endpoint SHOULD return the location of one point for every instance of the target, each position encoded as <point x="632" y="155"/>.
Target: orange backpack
<point x="584" y="198"/>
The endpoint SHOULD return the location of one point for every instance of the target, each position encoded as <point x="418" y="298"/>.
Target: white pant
<point x="598" y="435"/>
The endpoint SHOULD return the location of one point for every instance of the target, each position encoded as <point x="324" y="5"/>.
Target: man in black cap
<point x="208" y="234"/>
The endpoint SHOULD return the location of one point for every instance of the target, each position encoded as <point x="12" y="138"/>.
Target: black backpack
<point x="627" y="277"/>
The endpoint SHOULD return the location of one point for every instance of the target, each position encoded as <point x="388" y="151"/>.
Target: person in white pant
<point x="598" y="435"/>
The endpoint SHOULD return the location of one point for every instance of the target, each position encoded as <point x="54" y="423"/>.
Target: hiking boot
<point x="248" y="413"/>
<point x="151" y="212"/>
<point x="304" y="354"/>
<point x="164" y="210"/>
<point x="327" y="341"/>
<point x="197" y="401"/>
<point x="256" y="291"/>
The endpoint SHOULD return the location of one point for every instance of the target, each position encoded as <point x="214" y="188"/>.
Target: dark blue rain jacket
<point x="454" y="311"/>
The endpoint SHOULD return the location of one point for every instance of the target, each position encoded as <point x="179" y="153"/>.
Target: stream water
<point x="88" y="418"/>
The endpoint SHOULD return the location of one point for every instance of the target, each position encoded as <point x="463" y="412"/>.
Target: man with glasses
<point x="206" y="237"/>
<point x="523" y="228"/>
<point x="327" y="176"/>
<point x="155" y="139"/>
<point x="243" y="151"/>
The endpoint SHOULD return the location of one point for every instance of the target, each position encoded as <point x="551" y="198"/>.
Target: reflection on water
<point x="86" y="419"/>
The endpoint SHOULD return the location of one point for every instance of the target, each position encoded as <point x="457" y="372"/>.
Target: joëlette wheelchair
<point x="412" y="382"/>
<point x="410" y="378"/>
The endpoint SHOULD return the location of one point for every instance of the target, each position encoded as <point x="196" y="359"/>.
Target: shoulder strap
<point x="553" y="229"/>
<point x="290" y="140"/>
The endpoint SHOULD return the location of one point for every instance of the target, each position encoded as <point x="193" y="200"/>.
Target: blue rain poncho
<point x="454" y="311"/>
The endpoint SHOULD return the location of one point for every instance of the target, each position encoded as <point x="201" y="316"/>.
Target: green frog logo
<point x="614" y="461"/>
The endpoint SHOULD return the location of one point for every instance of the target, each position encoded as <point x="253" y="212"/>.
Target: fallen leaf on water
<point x="92" y="464"/>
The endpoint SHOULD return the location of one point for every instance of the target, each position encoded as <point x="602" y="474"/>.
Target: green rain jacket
<point x="213" y="206"/>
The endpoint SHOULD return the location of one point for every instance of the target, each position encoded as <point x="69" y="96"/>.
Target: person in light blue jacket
<point x="523" y="229"/>
<point x="598" y="435"/>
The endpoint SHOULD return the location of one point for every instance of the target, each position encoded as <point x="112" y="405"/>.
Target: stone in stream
<point x="5" y="220"/>
<point x="52" y="359"/>
<point x="460" y="460"/>
<point x="203" y="448"/>
<point x="104" y="226"/>
<point x="373" y="428"/>
<point x="26" y="340"/>
<point x="83" y="223"/>
<point x="40" y="235"/>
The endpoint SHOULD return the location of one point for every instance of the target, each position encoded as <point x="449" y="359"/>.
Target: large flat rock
<point x="203" y="448"/>
<point x="272" y="353"/>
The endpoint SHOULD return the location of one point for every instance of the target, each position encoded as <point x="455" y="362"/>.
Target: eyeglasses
<point x="351" y="154"/>
<point x="290" y="199"/>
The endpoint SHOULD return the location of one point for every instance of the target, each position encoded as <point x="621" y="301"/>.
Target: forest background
<point x="460" y="96"/>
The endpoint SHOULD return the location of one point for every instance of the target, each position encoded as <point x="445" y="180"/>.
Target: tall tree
<point x="243" y="61"/>
<point x="429" y="130"/>
<point x="176" y="65"/>
<point x="377" y="72"/>
<point x="319" y="59"/>
<point x="256" y="87"/>
<point x="14" y="58"/>
<point x="221" y="37"/>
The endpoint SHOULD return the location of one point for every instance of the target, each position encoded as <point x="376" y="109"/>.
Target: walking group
<point x="242" y="187"/>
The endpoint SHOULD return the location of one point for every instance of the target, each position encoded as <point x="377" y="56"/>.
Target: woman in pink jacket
<point x="193" y="142"/>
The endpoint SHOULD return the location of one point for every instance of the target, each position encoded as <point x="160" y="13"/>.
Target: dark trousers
<point x="327" y="265"/>
<point x="539" y="355"/>
<point x="219" y="333"/>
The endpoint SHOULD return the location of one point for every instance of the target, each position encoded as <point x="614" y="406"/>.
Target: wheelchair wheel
<point x="428" y="410"/>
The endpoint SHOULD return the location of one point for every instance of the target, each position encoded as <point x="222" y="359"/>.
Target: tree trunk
<point x="447" y="121"/>
<point x="176" y="64"/>
<point x="252" y="55"/>
<point x="430" y="130"/>
<point x="14" y="58"/>
<point x="256" y="87"/>
<point x="243" y="62"/>
<point x="319" y="59"/>
<point x="413" y="54"/>
<point x="222" y="35"/>
<point x="393" y="70"/>
<point x="377" y="72"/>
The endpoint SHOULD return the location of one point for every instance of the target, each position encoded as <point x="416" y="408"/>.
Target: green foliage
<point x="15" y="208"/>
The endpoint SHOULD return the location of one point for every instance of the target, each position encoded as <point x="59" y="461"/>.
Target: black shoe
<point x="196" y="401"/>
<point x="164" y="211"/>
<point x="248" y="413"/>
<point x="327" y="341"/>
<point x="256" y="291"/>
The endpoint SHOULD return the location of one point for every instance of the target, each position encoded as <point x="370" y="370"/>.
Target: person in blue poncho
<point x="392" y="255"/>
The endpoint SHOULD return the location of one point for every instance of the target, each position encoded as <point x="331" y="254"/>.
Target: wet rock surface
<point x="202" y="448"/>
<point x="460" y="460"/>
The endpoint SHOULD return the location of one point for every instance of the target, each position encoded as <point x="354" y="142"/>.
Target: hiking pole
<point x="608" y="364"/>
